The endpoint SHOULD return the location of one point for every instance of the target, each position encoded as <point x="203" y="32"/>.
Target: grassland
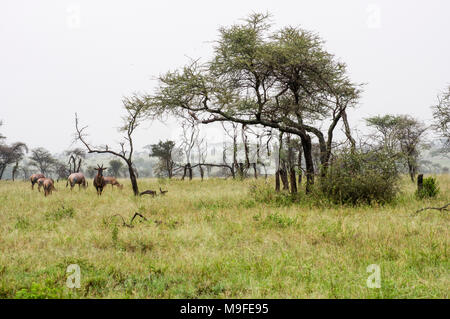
<point x="211" y="239"/>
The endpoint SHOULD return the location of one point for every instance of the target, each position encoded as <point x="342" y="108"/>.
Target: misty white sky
<point x="61" y="57"/>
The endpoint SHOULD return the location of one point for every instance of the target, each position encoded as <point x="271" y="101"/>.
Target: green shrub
<point x="361" y="178"/>
<point x="39" y="291"/>
<point x="60" y="213"/>
<point x="265" y="193"/>
<point x="430" y="188"/>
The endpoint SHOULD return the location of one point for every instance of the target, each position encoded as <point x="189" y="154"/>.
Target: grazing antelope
<point x="40" y="183"/>
<point x="162" y="192"/>
<point x="76" y="178"/>
<point x="113" y="181"/>
<point x="34" y="178"/>
<point x="148" y="192"/>
<point x="99" y="180"/>
<point x="49" y="186"/>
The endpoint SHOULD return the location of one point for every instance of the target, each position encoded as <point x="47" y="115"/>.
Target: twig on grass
<point x="443" y="208"/>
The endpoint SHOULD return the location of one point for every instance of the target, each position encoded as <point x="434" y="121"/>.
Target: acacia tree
<point x="116" y="166"/>
<point x="134" y="115"/>
<point x="441" y="115"/>
<point x="283" y="80"/>
<point x="42" y="159"/>
<point x="164" y="152"/>
<point x="10" y="154"/>
<point x="402" y="136"/>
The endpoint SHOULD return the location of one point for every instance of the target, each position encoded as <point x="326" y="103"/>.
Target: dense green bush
<point x="361" y="177"/>
<point x="430" y="188"/>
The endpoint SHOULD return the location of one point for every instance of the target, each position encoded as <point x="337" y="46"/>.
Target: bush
<point x="361" y="178"/>
<point x="430" y="188"/>
<point x="265" y="193"/>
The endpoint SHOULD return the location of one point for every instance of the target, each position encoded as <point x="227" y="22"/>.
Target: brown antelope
<point x="148" y="192"/>
<point x="34" y="178"/>
<point x="76" y="178"/>
<point x="162" y="192"/>
<point x="40" y="183"/>
<point x="99" y="180"/>
<point x="49" y="186"/>
<point x="113" y="181"/>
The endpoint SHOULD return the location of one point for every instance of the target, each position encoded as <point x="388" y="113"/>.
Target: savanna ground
<point x="213" y="239"/>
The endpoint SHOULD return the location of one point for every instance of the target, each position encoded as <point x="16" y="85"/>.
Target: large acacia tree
<point x="283" y="80"/>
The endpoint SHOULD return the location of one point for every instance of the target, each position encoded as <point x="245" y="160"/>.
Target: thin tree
<point x="134" y="115"/>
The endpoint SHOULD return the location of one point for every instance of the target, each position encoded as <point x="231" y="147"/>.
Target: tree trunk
<point x="277" y="181"/>
<point x="14" y="171"/>
<point x="309" y="163"/>
<point x="202" y="172"/>
<point x="184" y="172"/>
<point x="254" y="171"/>
<point x="419" y="182"/>
<point x="299" y="164"/>
<point x="133" y="179"/>
<point x="284" y="177"/>
<point x="293" y="181"/>
<point x="2" y="169"/>
<point x="190" y="171"/>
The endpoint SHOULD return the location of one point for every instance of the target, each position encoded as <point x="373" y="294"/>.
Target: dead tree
<point x="135" y="114"/>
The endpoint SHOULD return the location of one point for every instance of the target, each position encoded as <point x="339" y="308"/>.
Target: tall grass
<point x="215" y="239"/>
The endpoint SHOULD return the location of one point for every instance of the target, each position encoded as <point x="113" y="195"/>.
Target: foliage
<point x="265" y="193"/>
<point x="280" y="79"/>
<point x="42" y="159"/>
<point x="115" y="166"/>
<point x="402" y="135"/>
<point x="429" y="189"/>
<point x="38" y="291"/>
<point x="10" y="154"/>
<point x="361" y="177"/>
<point x="164" y="152"/>
<point x="441" y="115"/>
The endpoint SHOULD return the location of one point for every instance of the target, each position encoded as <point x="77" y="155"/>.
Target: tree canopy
<point x="281" y="79"/>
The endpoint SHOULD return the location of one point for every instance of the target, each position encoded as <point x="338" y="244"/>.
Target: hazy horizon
<point x="62" y="57"/>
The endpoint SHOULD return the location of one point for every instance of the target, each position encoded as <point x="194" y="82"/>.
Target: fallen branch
<point x="443" y="208"/>
<point x="130" y="225"/>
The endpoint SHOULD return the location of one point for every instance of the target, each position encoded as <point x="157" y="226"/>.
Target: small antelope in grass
<point x="76" y="178"/>
<point x="34" y="178"/>
<point x="49" y="186"/>
<point x="99" y="180"/>
<point x="113" y="181"/>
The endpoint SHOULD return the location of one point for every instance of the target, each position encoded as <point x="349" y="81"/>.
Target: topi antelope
<point x="40" y="183"/>
<point x="49" y="186"/>
<point x="99" y="180"/>
<point x="76" y="178"/>
<point x="34" y="178"/>
<point x="113" y="181"/>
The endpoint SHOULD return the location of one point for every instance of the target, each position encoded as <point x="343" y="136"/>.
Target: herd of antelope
<point x="100" y="181"/>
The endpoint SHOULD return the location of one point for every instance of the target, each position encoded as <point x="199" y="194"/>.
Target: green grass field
<point x="212" y="239"/>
